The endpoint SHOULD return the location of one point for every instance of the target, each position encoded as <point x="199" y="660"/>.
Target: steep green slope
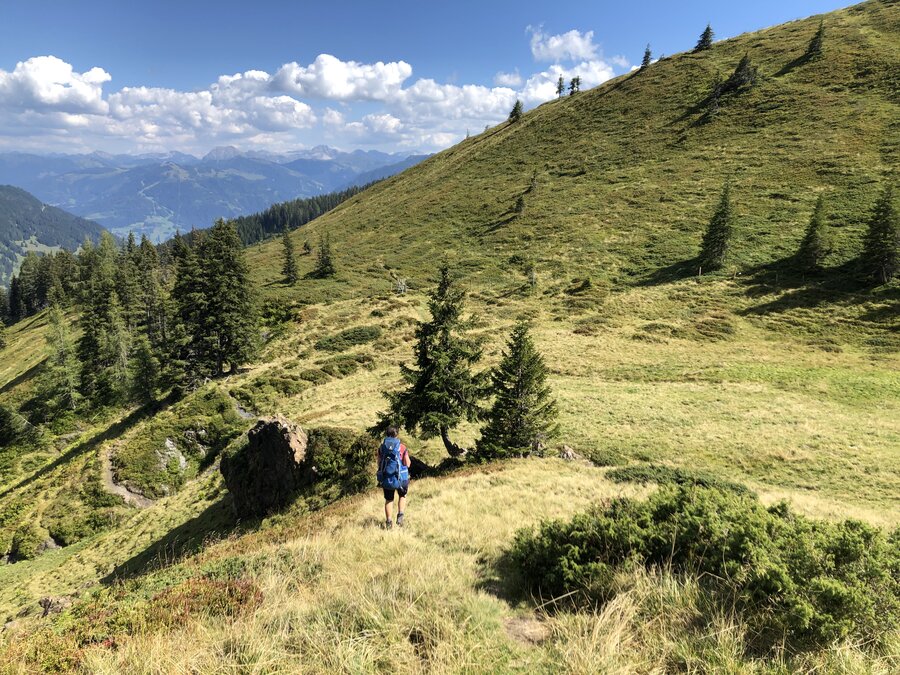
<point x="27" y="224"/>
<point x="627" y="174"/>
<point x="787" y="384"/>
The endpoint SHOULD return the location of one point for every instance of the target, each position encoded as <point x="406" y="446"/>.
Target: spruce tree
<point x="706" y="39"/>
<point x="716" y="240"/>
<point x="516" y="113"/>
<point x="560" y="86"/>
<point x="145" y="371"/>
<point x="520" y="205"/>
<point x="881" y="247"/>
<point x="523" y="415"/>
<point x="648" y="57"/>
<point x="185" y="367"/>
<point x="289" y="263"/>
<point x="441" y="389"/>
<point x="814" y="50"/>
<point x="117" y="348"/>
<point x="2" y="335"/>
<point x="812" y="249"/>
<point x="227" y="326"/>
<point x="745" y="74"/>
<point x="324" y="262"/>
<point x="60" y="379"/>
<point x="574" y="85"/>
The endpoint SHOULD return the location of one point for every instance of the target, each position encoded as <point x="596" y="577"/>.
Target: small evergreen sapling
<point x="881" y="248"/>
<point x="560" y="86"/>
<point x="706" y="39"/>
<point x="575" y="85"/>
<point x="717" y="238"/>
<point x="524" y="412"/>
<point x="812" y="249"/>
<point x="648" y="57"/>
<point x="324" y="262"/>
<point x="516" y="113"/>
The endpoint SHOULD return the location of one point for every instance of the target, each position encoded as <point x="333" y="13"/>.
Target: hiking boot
<point x="399" y="520"/>
<point x="388" y="524"/>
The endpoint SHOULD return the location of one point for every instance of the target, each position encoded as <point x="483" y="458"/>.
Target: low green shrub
<point x="670" y="475"/>
<point x="796" y="582"/>
<point x="343" y="456"/>
<point x="348" y="338"/>
<point x="27" y="541"/>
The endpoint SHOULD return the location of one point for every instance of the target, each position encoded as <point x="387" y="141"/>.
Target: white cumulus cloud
<point x="329" y="77"/>
<point x="45" y="83"/>
<point x="513" y="79"/>
<point x="569" y="46"/>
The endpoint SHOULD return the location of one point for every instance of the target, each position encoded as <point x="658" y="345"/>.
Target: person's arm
<point x="406" y="460"/>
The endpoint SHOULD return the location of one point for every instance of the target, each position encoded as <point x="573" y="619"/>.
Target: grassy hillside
<point x="755" y="375"/>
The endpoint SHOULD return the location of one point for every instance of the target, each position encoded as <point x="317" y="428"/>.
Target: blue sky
<point x="159" y="76"/>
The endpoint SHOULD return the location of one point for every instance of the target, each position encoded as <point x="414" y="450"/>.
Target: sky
<point x="400" y="76"/>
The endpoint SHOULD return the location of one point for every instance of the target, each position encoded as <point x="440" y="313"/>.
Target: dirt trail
<point x="132" y="498"/>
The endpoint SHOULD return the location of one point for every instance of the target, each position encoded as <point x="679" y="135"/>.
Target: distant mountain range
<point x="27" y="224"/>
<point x="157" y="194"/>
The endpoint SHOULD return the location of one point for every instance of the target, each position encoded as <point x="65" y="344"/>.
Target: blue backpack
<point x="392" y="473"/>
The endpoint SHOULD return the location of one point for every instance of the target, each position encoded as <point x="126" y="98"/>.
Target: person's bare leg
<point x="400" y="507"/>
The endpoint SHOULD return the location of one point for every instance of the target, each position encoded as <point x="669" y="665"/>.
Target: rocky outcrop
<point x="268" y="469"/>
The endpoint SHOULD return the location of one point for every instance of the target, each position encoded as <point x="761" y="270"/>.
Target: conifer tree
<point x="60" y="381"/>
<point x="16" y="301"/>
<point x="185" y="368"/>
<point x="560" y="86"/>
<point x="152" y="297"/>
<point x="523" y="415"/>
<point x="441" y="389"/>
<point x="2" y="335"/>
<point x="716" y="240"/>
<point x="812" y="249"/>
<point x="117" y="348"/>
<point x="648" y="57"/>
<point x="706" y="39"/>
<point x="745" y="74"/>
<point x="520" y="205"/>
<point x="324" y="262"/>
<point x="289" y="263"/>
<point x="227" y="325"/>
<point x="516" y="113"/>
<point x="145" y="371"/>
<point x="814" y="50"/>
<point x="881" y="247"/>
<point x="574" y="85"/>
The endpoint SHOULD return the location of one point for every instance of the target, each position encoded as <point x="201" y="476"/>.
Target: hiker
<point x="393" y="474"/>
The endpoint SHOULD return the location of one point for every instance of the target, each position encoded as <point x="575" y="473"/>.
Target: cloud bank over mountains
<point x="46" y="105"/>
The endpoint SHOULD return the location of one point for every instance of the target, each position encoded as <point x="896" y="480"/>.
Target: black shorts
<point x="389" y="493"/>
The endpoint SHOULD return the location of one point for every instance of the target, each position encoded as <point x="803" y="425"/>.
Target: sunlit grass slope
<point x="758" y="375"/>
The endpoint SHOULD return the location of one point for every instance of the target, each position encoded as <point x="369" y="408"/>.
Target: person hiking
<point x="393" y="475"/>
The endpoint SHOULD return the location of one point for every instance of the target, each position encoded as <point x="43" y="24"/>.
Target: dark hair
<point x="392" y="432"/>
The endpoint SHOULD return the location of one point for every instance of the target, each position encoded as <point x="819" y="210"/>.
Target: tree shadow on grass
<point x="215" y="521"/>
<point x="674" y="272"/>
<point x="24" y="377"/>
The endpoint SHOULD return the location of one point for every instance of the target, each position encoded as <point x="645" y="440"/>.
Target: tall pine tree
<point x="812" y="249"/>
<point x="706" y="39"/>
<point x="717" y="238"/>
<point x="227" y="327"/>
<point x="441" y="389"/>
<point x="648" y="57"/>
<point x="524" y="413"/>
<point x="59" y="385"/>
<point x="185" y="369"/>
<point x="560" y="86"/>
<point x="881" y="248"/>
<point x="288" y="261"/>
